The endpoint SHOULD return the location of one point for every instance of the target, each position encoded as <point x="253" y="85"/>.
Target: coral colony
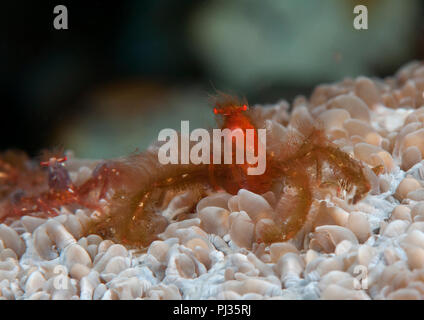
<point x="325" y="201"/>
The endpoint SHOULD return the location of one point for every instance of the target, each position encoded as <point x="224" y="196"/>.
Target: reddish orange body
<point x="234" y="116"/>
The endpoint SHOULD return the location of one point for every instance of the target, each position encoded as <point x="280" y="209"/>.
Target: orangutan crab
<point x="300" y="160"/>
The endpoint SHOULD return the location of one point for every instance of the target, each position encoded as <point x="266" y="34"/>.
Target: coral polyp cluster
<point x="342" y="193"/>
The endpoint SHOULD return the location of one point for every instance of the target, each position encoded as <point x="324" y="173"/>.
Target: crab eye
<point x="244" y="108"/>
<point x="215" y="110"/>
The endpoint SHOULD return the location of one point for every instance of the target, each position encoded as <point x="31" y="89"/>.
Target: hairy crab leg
<point x="134" y="215"/>
<point x="348" y="170"/>
<point x="293" y="207"/>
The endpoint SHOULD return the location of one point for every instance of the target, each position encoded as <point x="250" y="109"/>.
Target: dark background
<point x="122" y="66"/>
